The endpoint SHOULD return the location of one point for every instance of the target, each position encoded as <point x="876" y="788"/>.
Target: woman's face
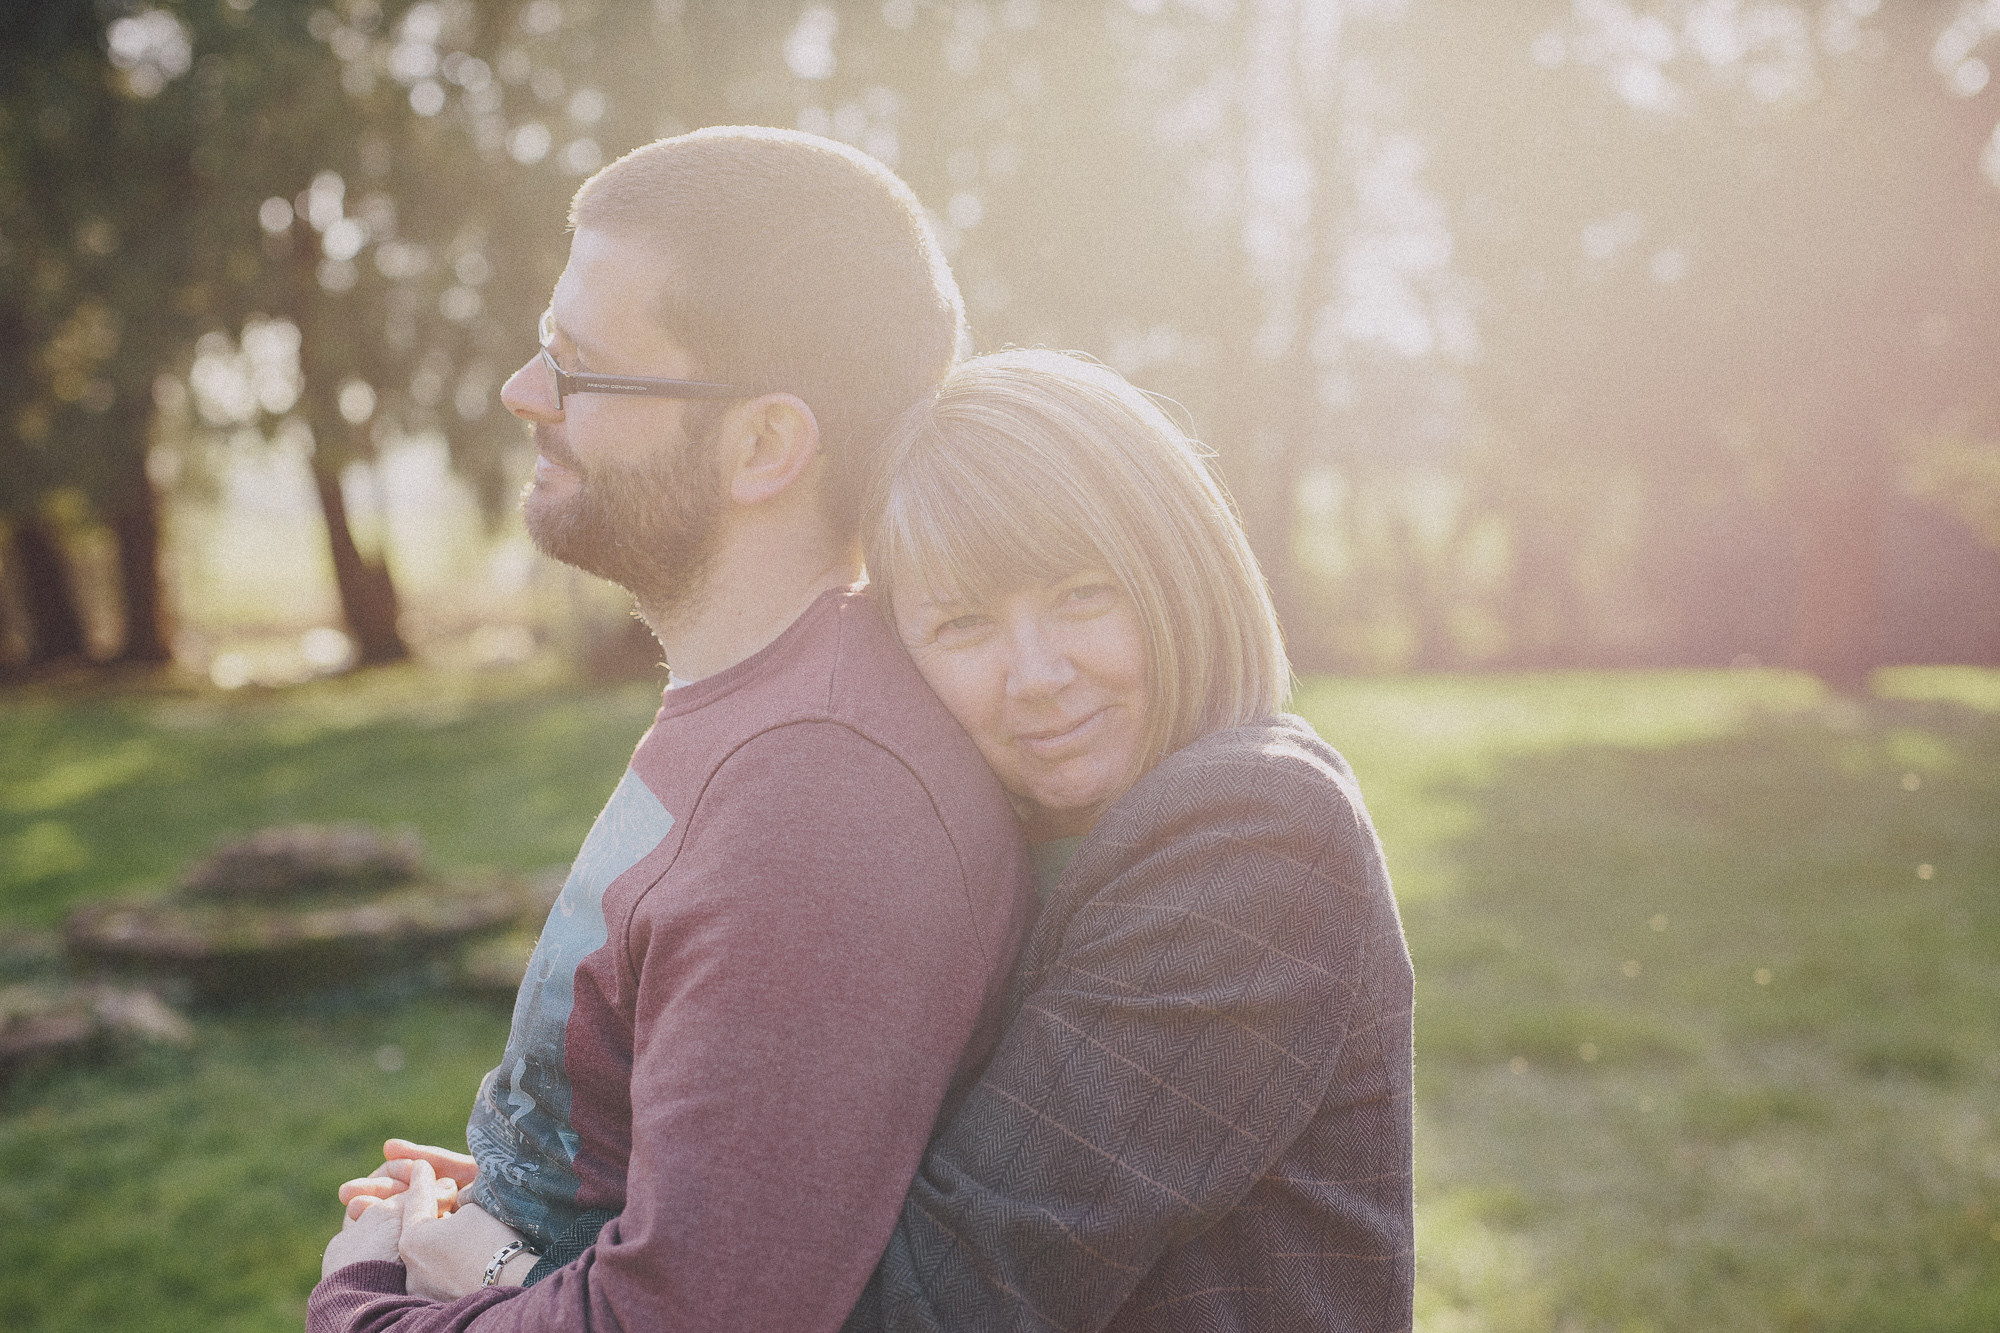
<point x="1050" y="682"/>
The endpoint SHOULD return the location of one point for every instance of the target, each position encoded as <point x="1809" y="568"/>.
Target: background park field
<point x="1606" y="386"/>
<point x="1708" y="1002"/>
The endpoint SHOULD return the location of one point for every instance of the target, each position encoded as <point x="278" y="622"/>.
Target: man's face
<point x="620" y="489"/>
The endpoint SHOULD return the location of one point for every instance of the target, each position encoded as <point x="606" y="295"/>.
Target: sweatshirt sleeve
<point x="1185" y="1031"/>
<point x="800" y="1001"/>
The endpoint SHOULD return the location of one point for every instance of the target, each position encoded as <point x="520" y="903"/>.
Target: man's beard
<point x="649" y="528"/>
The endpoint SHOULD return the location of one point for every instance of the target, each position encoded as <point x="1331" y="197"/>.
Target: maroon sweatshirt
<point x="768" y="963"/>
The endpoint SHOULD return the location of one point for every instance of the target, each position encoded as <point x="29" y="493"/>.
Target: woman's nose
<point x="1039" y="665"/>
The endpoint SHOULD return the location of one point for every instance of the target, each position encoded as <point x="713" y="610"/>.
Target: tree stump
<point x="51" y="1020"/>
<point x="294" y="909"/>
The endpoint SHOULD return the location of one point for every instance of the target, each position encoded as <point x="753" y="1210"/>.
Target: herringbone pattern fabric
<point x="1200" y="1114"/>
<point x="570" y="1245"/>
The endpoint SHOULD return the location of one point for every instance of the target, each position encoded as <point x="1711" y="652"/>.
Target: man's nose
<point x="1039" y="665"/>
<point x="530" y="392"/>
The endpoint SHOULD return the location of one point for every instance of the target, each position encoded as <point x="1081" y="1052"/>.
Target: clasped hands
<point x="409" y="1211"/>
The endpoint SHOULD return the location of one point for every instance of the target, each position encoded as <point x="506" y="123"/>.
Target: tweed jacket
<point x="1199" y="1115"/>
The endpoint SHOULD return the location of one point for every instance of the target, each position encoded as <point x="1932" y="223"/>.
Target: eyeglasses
<point x="641" y="386"/>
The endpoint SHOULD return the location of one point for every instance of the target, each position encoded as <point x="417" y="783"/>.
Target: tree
<point x="35" y="263"/>
<point x="185" y="169"/>
<point x="1729" y="263"/>
<point x="1105" y="183"/>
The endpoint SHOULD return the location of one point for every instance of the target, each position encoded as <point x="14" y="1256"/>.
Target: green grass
<point x="102" y="793"/>
<point x="1697" y="1047"/>
<point x="1620" y="1126"/>
<point x="194" y="1190"/>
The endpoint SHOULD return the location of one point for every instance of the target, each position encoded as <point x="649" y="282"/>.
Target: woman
<point x="1200" y="1113"/>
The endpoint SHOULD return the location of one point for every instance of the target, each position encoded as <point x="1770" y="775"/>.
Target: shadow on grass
<point x="116" y="793"/>
<point x="1709" y="1033"/>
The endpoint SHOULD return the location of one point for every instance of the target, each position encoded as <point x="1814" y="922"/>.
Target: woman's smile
<point x="1055" y="742"/>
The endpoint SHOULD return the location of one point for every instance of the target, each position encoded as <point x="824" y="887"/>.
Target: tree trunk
<point x="16" y="639"/>
<point x="1837" y="621"/>
<point x="367" y="597"/>
<point x="148" y="624"/>
<point x="134" y="517"/>
<point x="48" y="594"/>
<point x="1288" y="426"/>
<point x="1424" y="601"/>
<point x="1548" y="625"/>
<point x="1263" y="482"/>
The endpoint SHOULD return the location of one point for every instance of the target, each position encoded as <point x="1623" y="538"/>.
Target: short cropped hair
<point x="1027" y="466"/>
<point x="796" y="265"/>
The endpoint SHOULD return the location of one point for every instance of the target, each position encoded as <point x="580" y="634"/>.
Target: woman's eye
<point x="1088" y="595"/>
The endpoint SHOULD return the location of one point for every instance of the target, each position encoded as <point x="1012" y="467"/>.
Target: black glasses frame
<point x="568" y="382"/>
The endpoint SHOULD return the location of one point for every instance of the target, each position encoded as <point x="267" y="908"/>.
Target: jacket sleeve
<point x="1184" y="1031"/>
<point x="799" y="1009"/>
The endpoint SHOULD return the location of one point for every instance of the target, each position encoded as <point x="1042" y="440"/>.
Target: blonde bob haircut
<point x="1025" y="467"/>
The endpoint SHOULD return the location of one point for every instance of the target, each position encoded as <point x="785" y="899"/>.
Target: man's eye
<point x="567" y="355"/>
<point x="961" y="624"/>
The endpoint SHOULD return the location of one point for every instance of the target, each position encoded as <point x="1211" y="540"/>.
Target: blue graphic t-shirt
<point x="520" y="1129"/>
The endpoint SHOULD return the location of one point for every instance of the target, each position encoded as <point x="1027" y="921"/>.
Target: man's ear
<point x="772" y="440"/>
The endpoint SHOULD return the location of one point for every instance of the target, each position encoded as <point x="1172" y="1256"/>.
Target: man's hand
<point x="454" y="1171"/>
<point x="447" y="1253"/>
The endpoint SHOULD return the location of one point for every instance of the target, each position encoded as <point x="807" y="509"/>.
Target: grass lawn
<point x="1708" y="987"/>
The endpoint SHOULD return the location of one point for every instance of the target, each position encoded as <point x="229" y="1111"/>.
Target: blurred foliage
<point x="1538" y="332"/>
<point x="1728" y="260"/>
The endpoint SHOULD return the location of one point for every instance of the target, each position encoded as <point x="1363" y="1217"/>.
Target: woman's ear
<point x="774" y="438"/>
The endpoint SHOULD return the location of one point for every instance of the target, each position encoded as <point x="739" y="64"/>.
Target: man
<point x="773" y="950"/>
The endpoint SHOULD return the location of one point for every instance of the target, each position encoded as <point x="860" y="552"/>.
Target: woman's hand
<point x="373" y="1230"/>
<point x="446" y="1253"/>
<point x="454" y="1171"/>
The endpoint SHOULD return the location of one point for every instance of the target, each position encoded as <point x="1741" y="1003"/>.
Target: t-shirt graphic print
<point x="520" y="1131"/>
